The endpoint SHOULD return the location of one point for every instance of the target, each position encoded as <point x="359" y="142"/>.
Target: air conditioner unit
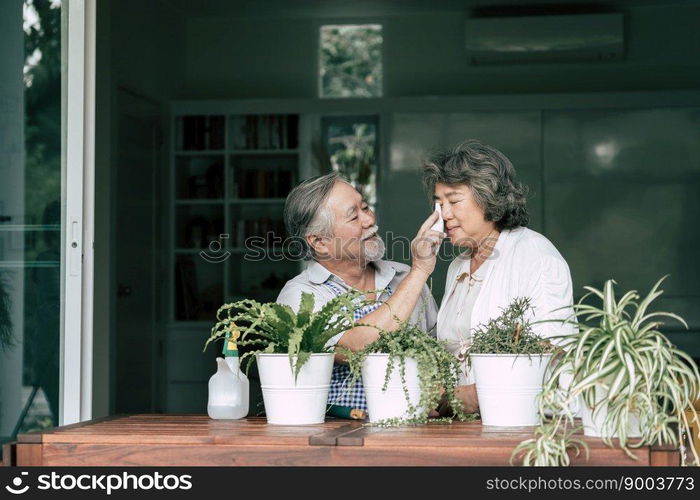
<point x="494" y="40"/>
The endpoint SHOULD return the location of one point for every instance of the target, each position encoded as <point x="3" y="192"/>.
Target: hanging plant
<point x="438" y="372"/>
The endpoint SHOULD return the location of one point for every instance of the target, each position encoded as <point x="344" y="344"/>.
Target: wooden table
<point x="179" y="440"/>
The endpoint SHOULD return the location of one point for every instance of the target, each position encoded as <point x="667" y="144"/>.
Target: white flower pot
<point x="290" y="402"/>
<point x="593" y="421"/>
<point x="507" y="386"/>
<point x="389" y="403"/>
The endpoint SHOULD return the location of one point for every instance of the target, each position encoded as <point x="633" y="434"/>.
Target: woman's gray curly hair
<point x="489" y="174"/>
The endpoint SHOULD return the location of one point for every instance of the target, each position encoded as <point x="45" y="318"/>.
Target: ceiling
<point x="368" y="8"/>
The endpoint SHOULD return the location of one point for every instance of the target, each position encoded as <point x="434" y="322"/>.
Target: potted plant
<point x="293" y="358"/>
<point x="621" y="369"/>
<point x="554" y="442"/>
<point x="406" y="373"/>
<point x="509" y="362"/>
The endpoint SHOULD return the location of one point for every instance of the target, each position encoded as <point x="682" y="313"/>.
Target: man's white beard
<point x="373" y="249"/>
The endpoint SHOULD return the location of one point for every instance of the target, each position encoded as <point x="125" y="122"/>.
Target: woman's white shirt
<point x="458" y="310"/>
<point x="523" y="263"/>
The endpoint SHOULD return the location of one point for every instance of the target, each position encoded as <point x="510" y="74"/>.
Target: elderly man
<point x="339" y="233"/>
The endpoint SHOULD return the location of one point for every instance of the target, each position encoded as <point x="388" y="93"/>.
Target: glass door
<point x="31" y="208"/>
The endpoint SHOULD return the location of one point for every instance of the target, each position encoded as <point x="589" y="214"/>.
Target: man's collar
<point x="385" y="272"/>
<point x="317" y="273"/>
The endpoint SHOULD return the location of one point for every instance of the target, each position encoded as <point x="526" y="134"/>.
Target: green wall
<point x="616" y="191"/>
<point x="268" y="56"/>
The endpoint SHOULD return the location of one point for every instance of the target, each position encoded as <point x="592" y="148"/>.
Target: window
<point x="30" y="215"/>
<point x="351" y="61"/>
<point x="352" y="147"/>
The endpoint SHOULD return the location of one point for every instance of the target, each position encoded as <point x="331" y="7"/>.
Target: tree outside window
<point x="351" y="148"/>
<point x="351" y="61"/>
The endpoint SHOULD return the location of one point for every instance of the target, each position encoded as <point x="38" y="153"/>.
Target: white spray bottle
<point x="228" y="387"/>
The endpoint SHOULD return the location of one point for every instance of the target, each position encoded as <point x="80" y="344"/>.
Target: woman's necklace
<point x="472" y="275"/>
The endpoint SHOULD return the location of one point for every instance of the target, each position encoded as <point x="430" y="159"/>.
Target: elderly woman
<point x="483" y="207"/>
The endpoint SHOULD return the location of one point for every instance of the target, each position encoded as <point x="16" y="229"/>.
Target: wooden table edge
<point x="330" y="437"/>
<point x="9" y="454"/>
<point x="37" y="436"/>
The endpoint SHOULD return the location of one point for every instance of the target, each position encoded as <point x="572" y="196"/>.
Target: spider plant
<point x="619" y="352"/>
<point x="276" y="328"/>
<point x="553" y="442"/>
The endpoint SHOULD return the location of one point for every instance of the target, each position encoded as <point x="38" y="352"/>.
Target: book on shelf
<point x="268" y="183"/>
<point x="292" y="131"/>
<point x="255" y="132"/>
<point x="217" y="128"/>
<point x="264" y="132"/>
<point x="283" y="127"/>
<point x="200" y="132"/>
<point x="238" y="132"/>
<point x="200" y="178"/>
<point x="263" y="227"/>
<point x="275" y="142"/>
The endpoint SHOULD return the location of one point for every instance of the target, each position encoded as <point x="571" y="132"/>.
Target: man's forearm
<point x="389" y="315"/>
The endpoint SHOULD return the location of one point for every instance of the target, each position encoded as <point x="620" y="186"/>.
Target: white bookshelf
<point x="231" y="171"/>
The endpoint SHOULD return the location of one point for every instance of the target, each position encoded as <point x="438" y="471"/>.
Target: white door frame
<point x="78" y="214"/>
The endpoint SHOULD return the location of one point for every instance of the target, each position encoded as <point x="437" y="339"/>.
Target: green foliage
<point x="6" y="340"/>
<point x="38" y="424"/>
<point x="620" y="350"/>
<point x="438" y="370"/>
<point x="353" y="155"/>
<point x="509" y="333"/>
<point x="43" y="109"/>
<point x="553" y="442"/>
<point x="276" y="328"/>
<point x="41" y="171"/>
<point x="351" y="61"/>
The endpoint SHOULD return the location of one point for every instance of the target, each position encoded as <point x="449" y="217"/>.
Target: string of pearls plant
<point x="438" y="372"/>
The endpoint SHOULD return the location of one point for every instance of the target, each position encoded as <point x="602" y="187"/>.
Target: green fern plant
<point x="276" y="328"/>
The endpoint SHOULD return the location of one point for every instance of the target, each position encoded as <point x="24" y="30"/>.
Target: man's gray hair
<point x="305" y="210"/>
<point x="489" y="174"/>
